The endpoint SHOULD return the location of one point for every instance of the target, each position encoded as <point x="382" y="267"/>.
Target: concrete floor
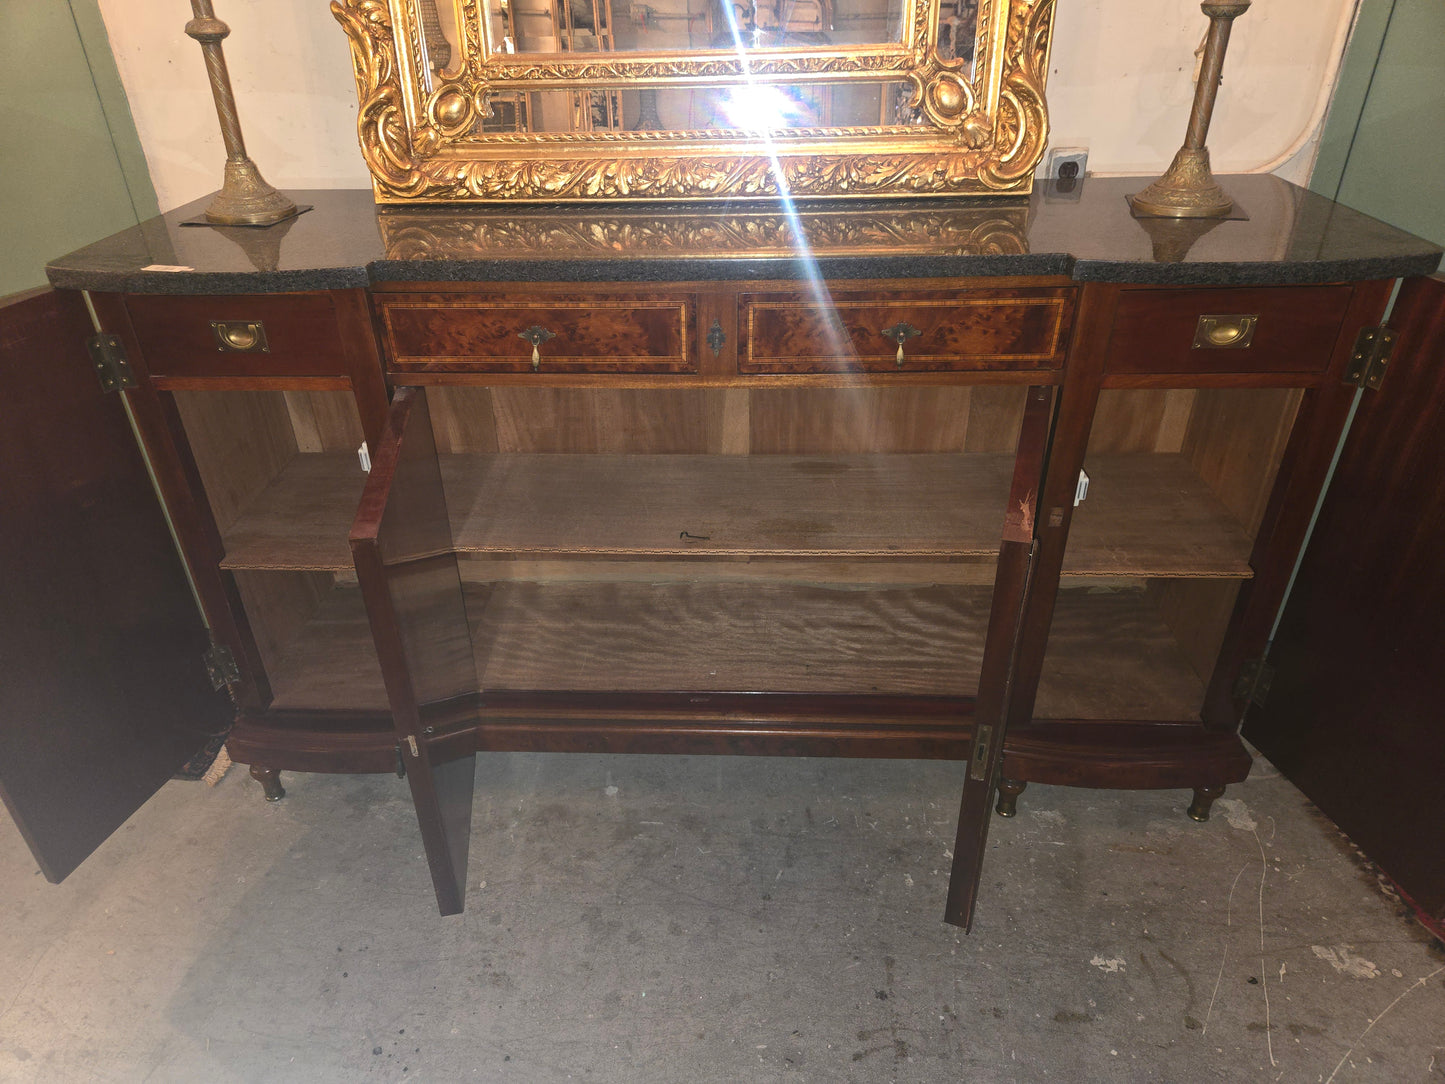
<point x="672" y="919"/>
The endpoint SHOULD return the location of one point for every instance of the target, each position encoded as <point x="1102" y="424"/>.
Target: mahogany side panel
<point x="103" y="691"/>
<point x="1354" y="714"/>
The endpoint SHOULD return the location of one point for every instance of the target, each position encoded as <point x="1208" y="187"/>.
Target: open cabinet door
<point x="401" y="544"/>
<point x="1355" y="714"/>
<point x="1011" y="585"/>
<point x="104" y="692"/>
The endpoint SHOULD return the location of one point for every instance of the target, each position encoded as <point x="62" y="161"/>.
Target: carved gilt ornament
<point x="475" y="107"/>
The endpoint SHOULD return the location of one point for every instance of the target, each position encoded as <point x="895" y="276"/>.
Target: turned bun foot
<point x="1008" y="797"/>
<point x="270" y="780"/>
<point x="1203" y="799"/>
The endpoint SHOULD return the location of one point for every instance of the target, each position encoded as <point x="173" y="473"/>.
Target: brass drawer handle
<point x="900" y="333"/>
<point x="536" y="336"/>
<point x="1233" y="332"/>
<point x="240" y="336"/>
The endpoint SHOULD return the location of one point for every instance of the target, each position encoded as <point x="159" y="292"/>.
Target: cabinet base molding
<point x="1124" y="755"/>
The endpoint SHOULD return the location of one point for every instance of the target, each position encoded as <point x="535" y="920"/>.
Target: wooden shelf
<point x="301" y="520"/>
<point x="709" y="637"/>
<point x="330" y="662"/>
<point x="1111" y="656"/>
<point x="1146" y="515"/>
<point x="919" y="507"/>
<point x="1152" y="515"/>
<point x="728" y="506"/>
<point x="717" y="637"/>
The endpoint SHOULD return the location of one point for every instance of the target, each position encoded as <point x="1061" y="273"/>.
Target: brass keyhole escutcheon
<point x="900" y="333"/>
<point x="716" y="337"/>
<point x="1231" y="332"/>
<point x="536" y="336"/>
<point x="240" y="336"/>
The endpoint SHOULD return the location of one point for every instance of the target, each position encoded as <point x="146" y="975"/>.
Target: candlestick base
<point x="1186" y="190"/>
<point x="245" y="199"/>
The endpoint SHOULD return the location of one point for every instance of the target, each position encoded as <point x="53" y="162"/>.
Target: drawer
<point x="575" y="333"/>
<point x="1288" y="329"/>
<point x="238" y="334"/>
<point x="940" y="330"/>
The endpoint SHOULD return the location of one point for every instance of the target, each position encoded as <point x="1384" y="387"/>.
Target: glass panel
<point x="752" y="109"/>
<point x="440" y="21"/>
<point x="1159" y="548"/>
<point x="830" y="541"/>
<point x="693" y="26"/>
<point x="685" y="26"/>
<point x="283" y="479"/>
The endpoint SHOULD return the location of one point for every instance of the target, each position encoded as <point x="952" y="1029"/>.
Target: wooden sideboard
<point x="668" y="480"/>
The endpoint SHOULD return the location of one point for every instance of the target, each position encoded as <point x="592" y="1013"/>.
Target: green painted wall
<point x="1383" y="149"/>
<point x="73" y="170"/>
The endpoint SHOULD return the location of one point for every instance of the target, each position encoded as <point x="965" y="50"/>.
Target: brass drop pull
<point x="240" y="336"/>
<point x="536" y="336"/>
<point x="900" y="333"/>
<point x="1232" y="332"/>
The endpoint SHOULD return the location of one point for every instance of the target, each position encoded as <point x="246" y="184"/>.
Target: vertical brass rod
<point x="1207" y="89"/>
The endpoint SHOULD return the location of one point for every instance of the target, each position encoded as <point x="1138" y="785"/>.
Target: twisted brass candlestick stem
<point x="245" y="199"/>
<point x="1188" y="188"/>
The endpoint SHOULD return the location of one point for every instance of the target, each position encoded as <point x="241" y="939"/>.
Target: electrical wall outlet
<point x="1068" y="163"/>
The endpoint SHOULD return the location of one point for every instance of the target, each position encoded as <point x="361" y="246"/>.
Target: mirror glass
<point x="739" y="108"/>
<point x="686" y="26"/>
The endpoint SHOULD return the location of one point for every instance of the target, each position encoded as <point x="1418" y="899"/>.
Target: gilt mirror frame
<point x="970" y="129"/>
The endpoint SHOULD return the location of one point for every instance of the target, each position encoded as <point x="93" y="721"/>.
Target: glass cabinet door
<point x="819" y="541"/>
<point x="281" y="473"/>
<point x="1160" y="544"/>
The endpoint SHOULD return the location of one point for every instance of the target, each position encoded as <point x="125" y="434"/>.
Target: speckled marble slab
<point x="1086" y="234"/>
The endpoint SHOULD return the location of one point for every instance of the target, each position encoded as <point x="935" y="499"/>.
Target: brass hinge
<point x="978" y="763"/>
<point x="1255" y="678"/>
<point x="1373" y="346"/>
<point x="221" y="666"/>
<point x="107" y="356"/>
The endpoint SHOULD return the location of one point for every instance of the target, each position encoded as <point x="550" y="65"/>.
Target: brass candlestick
<point x="1188" y="188"/>
<point x="245" y="199"/>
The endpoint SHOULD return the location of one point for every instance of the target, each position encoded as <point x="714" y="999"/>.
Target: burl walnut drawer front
<point x="437" y="333"/>
<point x="238" y="335"/>
<point x="925" y="331"/>
<point x="1287" y="329"/>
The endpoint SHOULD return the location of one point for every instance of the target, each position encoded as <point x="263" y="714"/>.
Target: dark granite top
<point x="1290" y="236"/>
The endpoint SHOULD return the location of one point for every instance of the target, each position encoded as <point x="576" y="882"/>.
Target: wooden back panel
<point x="727" y="421"/>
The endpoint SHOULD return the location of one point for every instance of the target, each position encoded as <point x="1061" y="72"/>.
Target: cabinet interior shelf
<point x="716" y="637"/>
<point x="1146" y="515"/>
<point x="1153" y="515"/>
